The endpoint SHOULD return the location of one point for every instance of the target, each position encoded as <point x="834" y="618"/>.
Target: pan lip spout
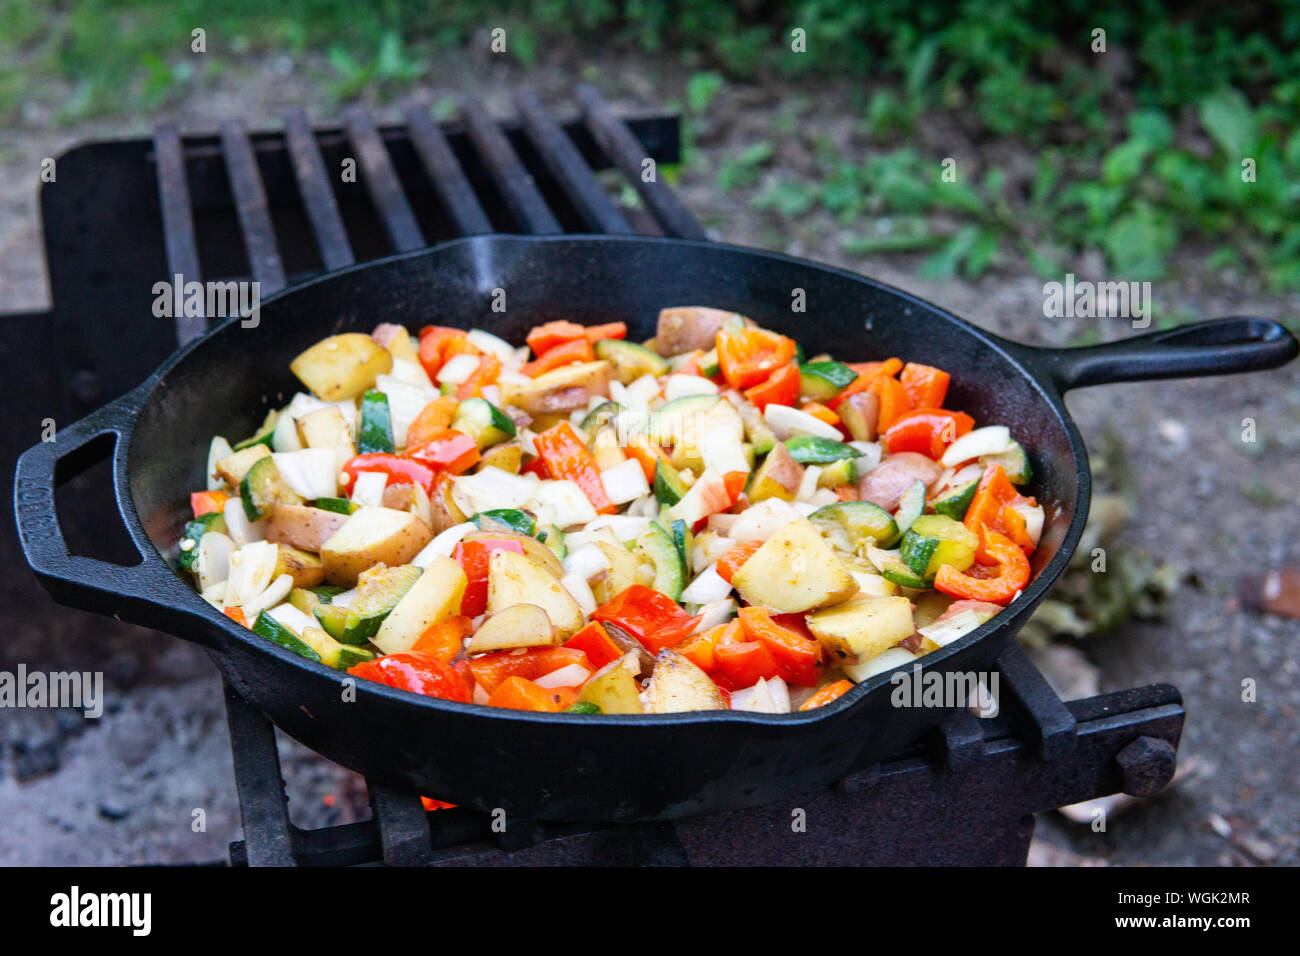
<point x="484" y="248"/>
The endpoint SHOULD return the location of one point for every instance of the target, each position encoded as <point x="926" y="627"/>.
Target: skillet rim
<point x="1019" y="355"/>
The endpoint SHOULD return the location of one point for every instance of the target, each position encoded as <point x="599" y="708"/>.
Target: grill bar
<point x="317" y="196"/>
<point x="403" y="825"/>
<point x="449" y="180"/>
<point x="382" y="182"/>
<point x="263" y="806"/>
<point x="522" y="196"/>
<point x="568" y="167"/>
<point x="178" y="221"/>
<point x="628" y="153"/>
<point x="250" y="206"/>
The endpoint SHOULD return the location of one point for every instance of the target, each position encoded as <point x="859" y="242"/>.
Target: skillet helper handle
<point x="139" y="593"/>
<point x="1216" y="347"/>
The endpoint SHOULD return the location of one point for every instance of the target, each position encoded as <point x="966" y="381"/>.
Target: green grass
<point x="1138" y="149"/>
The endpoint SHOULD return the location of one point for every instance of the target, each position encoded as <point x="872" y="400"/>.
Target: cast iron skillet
<point x="575" y="767"/>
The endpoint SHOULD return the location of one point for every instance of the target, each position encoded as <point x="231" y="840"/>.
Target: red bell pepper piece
<point x="205" y="502"/>
<point x="927" y="431"/>
<point x="743" y="663"/>
<point x="434" y="342"/>
<point x="827" y="694"/>
<point x="434" y="419"/>
<point x="781" y="388"/>
<point x="473" y="556"/>
<point x="926" y="385"/>
<point x="976" y="584"/>
<point x="748" y="356"/>
<point x="451" y="451"/>
<point x="419" y="673"/>
<point x="492" y="670"/>
<point x="564" y="456"/>
<point x="577" y="350"/>
<point x="798" y="658"/>
<point x="650" y="616"/>
<point x="400" y="470"/>
<point x="594" y="641"/>
<point x="547" y="336"/>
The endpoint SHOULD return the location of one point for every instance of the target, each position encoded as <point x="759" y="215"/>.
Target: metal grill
<point x="274" y="207"/>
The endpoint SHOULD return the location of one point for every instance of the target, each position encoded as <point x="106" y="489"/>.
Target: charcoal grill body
<point x="573" y="767"/>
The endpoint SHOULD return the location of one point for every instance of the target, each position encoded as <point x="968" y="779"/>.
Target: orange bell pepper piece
<point x="926" y="385"/>
<point x="205" y="502"/>
<point x="701" y="648"/>
<point x="489" y="367"/>
<point x="991" y="508"/>
<point x="820" y="412"/>
<point x="564" y="456"/>
<point x="894" y="400"/>
<point x="577" y="350"/>
<point x="730" y="562"/>
<point x="519" y="693"/>
<point x="542" y="338"/>
<point x="647" y="454"/>
<point x="748" y="356"/>
<point x="827" y="694"/>
<point x="868" y="372"/>
<point x="444" y="640"/>
<point x="236" y="614"/>
<point x="976" y="584"/>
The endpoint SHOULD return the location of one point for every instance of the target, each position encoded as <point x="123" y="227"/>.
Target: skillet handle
<point x="145" y="593"/>
<point x="1216" y="347"/>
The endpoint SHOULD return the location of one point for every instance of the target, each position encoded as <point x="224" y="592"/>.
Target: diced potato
<point x="341" y="366"/>
<point x="860" y="413"/>
<point x="687" y="328"/>
<point x="433" y="598"/>
<point x="795" y="570"/>
<point x="303" y="527"/>
<point x="562" y="390"/>
<point x="620" y="576"/>
<point x="372" y="536"/>
<point x="443" y="510"/>
<point x="516" y="579"/>
<point x="234" y="467"/>
<point x="778" y="477"/>
<point x="863" y="626"/>
<point x="397" y="340"/>
<point x="533" y="548"/>
<point x="508" y="456"/>
<point x="677" y="684"/>
<point x="305" y="569"/>
<point x="520" y="625"/>
<point x="613" y="688"/>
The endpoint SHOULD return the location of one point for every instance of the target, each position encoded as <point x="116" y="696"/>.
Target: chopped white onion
<point x="869" y="456"/>
<point x="212" y="564"/>
<point x="285" y="436"/>
<point x="679" y="386"/>
<point x="291" y="617"/>
<point x="787" y="422"/>
<point x="217" y="450"/>
<point x="715" y="613"/>
<point x="624" y="527"/>
<point x="808" y="483"/>
<point x="492" y="488"/>
<point x="709" y="586"/>
<point x="368" y="489"/>
<point x="561" y="503"/>
<point x="487" y="342"/>
<point x="241" y="530"/>
<point x="275" y="592"/>
<point x="251" y="569"/>
<point x="884" y="661"/>
<point x="1033" y="515"/>
<point x="766" y="697"/>
<point x="948" y="630"/>
<point x="642" y="390"/>
<point x="990" y="440"/>
<point x="586" y="562"/>
<point x="309" y="472"/>
<point x="580" y="591"/>
<point x="441" y="546"/>
<point x="571" y="675"/>
<point x="457" y="369"/>
<point x="762" y="521"/>
<point x="405" y="402"/>
<point x="624" y="482"/>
